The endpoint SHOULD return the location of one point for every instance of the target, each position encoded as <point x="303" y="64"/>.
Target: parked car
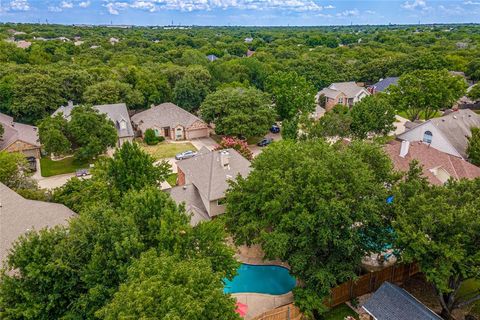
<point x="186" y="155"/>
<point x="32" y="163"/>
<point x="82" y="173"/>
<point x="265" y="142"/>
<point x="274" y="129"/>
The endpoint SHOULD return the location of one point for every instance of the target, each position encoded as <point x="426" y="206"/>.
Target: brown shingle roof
<point x="19" y="215"/>
<point x="430" y="159"/>
<point x="15" y="131"/>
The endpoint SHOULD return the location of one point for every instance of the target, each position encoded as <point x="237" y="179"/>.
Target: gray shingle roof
<point x="189" y="195"/>
<point x="164" y="115"/>
<point x="17" y="131"/>
<point x="116" y="112"/>
<point x="350" y="89"/>
<point x="383" y="84"/>
<point x="207" y="174"/>
<point x="19" y="215"/>
<point x="456" y="127"/>
<point x="390" y="302"/>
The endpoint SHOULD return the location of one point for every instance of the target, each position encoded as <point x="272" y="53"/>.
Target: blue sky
<point x="240" y="12"/>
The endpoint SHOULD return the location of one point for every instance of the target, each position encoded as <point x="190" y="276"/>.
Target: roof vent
<point x="454" y="117"/>
<point x="184" y="187"/>
<point x="225" y="159"/>
<point x="404" y="148"/>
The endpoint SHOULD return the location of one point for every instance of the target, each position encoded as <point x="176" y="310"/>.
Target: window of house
<point x="340" y="100"/>
<point x="427" y="137"/>
<point x="156" y="132"/>
<point x="123" y="125"/>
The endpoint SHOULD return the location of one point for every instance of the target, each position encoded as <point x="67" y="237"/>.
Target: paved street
<point x="256" y="150"/>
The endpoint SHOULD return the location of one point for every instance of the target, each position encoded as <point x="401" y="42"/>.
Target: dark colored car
<point x="274" y="129"/>
<point x="82" y="173"/>
<point x="32" y="163"/>
<point x="265" y="142"/>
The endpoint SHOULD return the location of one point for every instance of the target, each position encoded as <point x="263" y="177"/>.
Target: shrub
<point x="234" y="143"/>
<point x="150" y="138"/>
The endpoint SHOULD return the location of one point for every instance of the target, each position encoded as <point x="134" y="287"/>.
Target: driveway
<point x="399" y="125"/>
<point x="53" y="182"/>
<point x="256" y="150"/>
<point x="206" y="142"/>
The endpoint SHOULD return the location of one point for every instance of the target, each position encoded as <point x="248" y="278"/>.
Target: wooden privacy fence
<point x="370" y="282"/>
<point x="287" y="312"/>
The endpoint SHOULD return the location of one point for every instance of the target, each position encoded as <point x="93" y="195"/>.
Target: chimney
<point x="70" y="103"/>
<point x="225" y="159"/>
<point x="404" y="148"/>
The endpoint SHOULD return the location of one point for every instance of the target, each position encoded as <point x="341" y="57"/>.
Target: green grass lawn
<point x="468" y="287"/>
<point x="422" y="115"/>
<point x="50" y="168"/>
<point x="339" y="313"/>
<point x="167" y="150"/>
<point x="172" y="179"/>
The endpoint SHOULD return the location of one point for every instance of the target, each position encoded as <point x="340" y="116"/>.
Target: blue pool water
<point x="261" y="279"/>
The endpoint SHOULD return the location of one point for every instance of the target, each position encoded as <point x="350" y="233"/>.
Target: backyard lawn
<point x="68" y="165"/>
<point x="172" y="179"/>
<point x="339" y="313"/>
<point x="167" y="150"/>
<point x="468" y="288"/>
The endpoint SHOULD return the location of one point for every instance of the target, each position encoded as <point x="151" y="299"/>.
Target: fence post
<point x="288" y="313"/>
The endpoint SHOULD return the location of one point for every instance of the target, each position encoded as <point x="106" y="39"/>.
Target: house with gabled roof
<point x="204" y="180"/>
<point x="383" y="84"/>
<point x="19" y="215"/>
<point x="344" y="93"/>
<point x="117" y="113"/>
<point x="391" y="302"/>
<point x="448" y="133"/>
<point x="19" y="137"/>
<point x="170" y="121"/>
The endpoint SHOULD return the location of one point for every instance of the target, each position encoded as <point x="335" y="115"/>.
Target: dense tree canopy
<point x="438" y="227"/>
<point x="74" y="272"/>
<point x="238" y="111"/>
<point x="425" y="92"/>
<point x="305" y="207"/>
<point x="372" y="115"/>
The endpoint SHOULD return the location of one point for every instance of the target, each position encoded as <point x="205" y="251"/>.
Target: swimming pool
<point x="273" y="280"/>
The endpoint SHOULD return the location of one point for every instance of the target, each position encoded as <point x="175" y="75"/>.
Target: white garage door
<point x="197" y="133"/>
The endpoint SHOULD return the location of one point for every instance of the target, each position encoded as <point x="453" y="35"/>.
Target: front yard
<point x="167" y="149"/>
<point x="49" y="168"/>
<point x="340" y="313"/>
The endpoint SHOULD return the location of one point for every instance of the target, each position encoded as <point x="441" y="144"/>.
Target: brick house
<point x="19" y="137"/>
<point x="170" y="121"/>
<point x="344" y="93"/>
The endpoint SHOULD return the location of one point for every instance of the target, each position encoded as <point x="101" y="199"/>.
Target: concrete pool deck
<point x="259" y="303"/>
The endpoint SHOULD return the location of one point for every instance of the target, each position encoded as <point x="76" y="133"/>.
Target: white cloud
<point x="472" y="2"/>
<point x="54" y="9"/>
<point x="412" y="5"/>
<point x="66" y="5"/>
<point x="114" y="7"/>
<point x="329" y="7"/>
<point x="369" y="12"/>
<point x="19" y="5"/>
<point x="84" y="4"/>
<point x="348" y="13"/>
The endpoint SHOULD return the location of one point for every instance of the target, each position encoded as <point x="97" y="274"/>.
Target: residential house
<point x="250" y="53"/>
<point x="117" y="113"/>
<point x="383" y="84"/>
<point x="318" y="112"/>
<point x="448" y="134"/>
<point x="171" y="122"/>
<point x="391" y="302"/>
<point x="345" y="93"/>
<point x="19" y="137"/>
<point x="212" y="57"/>
<point x="437" y="166"/>
<point x="248" y="40"/>
<point x="203" y="181"/>
<point x="19" y="215"/>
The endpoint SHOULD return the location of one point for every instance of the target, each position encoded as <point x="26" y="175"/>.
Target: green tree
<point x="91" y="133"/>
<point x="238" y="111"/>
<point x="150" y="137"/>
<point x="35" y="95"/>
<point x="281" y="206"/>
<point x="335" y="123"/>
<point x="132" y="168"/>
<point x="438" y="227"/>
<point x="112" y="91"/>
<point x="426" y="92"/>
<point x="373" y="114"/>
<point x="162" y="287"/>
<point x="14" y="171"/>
<point x="53" y="135"/>
<point x="474" y="93"/>
<point x="291" y="93"/>
<point x="473" y="147"/>
<point x="188" y="93"/>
